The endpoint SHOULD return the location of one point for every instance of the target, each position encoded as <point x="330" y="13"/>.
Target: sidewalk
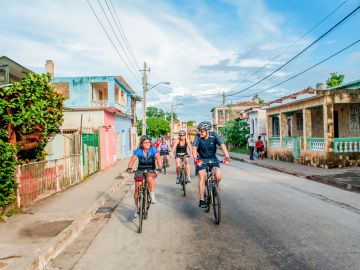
<point x="33" y="237"/>
<point x="346" y="178"/>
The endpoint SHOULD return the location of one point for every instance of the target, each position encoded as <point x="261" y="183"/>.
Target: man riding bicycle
<point x="147" y="156"/>
<point x="164" y="150"/>
<point x="204" y="151"/>
<point x="180" y="149"/>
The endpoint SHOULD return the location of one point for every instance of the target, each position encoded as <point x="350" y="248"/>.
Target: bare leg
<point x="202" y="176"/>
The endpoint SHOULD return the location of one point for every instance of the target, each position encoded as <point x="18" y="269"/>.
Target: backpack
<point x="259" y="144"/>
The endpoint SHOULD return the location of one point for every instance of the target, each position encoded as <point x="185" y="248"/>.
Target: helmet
<point x="204" y="125"/>
<point x="144" y="137"/>
<point x="182" y="132"/>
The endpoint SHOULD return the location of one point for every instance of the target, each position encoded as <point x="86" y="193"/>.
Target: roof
<point x="349" y="85"/>
<point x="292" y="98"/>
<point x="245" y="103"/>
<point x="17" y="71"/>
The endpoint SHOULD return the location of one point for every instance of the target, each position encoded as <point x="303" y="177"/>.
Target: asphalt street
<point x="270" y="220"/>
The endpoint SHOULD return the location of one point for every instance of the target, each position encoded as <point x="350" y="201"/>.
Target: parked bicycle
<point x="212" y="192"/>
<point x="182" y="174"/>
<point x="144" y="199"/>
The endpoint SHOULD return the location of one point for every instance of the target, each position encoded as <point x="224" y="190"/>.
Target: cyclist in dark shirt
<point x="204" y="150"/>
<point x="180" y="148"/>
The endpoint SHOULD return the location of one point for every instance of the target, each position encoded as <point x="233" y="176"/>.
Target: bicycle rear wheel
<point x="216" y="202"/>
<point x="141" y="206"/>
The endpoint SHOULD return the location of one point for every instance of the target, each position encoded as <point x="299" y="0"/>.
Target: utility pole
<point x="223" y="101"/>
<point x="144" y="99"/>
<point x="172" y="125"/>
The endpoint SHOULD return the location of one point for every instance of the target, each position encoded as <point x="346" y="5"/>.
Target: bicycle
<point x="182" y="174"/>
<point x="165" y="160"/>
<point x="144" y="199"/>
<point x="212" y="192"/>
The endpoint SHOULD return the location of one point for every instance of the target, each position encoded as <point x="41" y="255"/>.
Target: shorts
<point x="164" y="153"/>
<point x="138" y="176"/>
<point x="204" y="166"/>
<point x="180" y="155"/>
<point x="260" y="149"/>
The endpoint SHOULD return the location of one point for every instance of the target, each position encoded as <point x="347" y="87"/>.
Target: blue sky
<point x="201" y="47"/>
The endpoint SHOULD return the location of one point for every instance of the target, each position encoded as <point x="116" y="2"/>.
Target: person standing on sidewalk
<point x="259" y="148"/>
<point x="251" y="146"/>
<point x="147" y="156"/>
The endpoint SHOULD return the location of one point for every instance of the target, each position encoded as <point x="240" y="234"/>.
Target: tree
<point x="334" y="80"/>
<point x="168" y="117"/>
<point x="157" y="126"/>
<point x="257" y="99"/>
<point x="190" y="123"/>
<point x="235" y="132"/>
<point x="30" y="114"/>
<point x="152" y="111"/>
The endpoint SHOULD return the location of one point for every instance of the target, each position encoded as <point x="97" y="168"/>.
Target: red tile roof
<point x="246" y="103"/>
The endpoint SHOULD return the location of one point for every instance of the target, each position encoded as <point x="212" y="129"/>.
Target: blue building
<point x="104" y="102"/>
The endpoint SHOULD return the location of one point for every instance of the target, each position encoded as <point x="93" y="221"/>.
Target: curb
<point x="42" y="256"/>
<point x="316" y="178"/>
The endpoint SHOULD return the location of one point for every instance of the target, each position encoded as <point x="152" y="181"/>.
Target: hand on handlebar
<point x="198" y="162"/>
<point x="226" y="161"/>
<point x="129" y="170"/>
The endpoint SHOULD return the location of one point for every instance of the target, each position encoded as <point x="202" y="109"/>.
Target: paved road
<point x="270" y="221"/>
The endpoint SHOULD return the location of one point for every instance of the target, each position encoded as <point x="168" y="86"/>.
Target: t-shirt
<point x="251" y="142"/>
<point x="164" y="147"/>
<point x="206" y="148"/>
<point x="146" y="163"/>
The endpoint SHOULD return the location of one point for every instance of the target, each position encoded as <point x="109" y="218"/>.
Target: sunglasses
<point x="146" y="142"/>
<point x="202" y="131"/>
<point x="182" y="135"/>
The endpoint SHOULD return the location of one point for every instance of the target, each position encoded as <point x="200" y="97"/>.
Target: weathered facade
<point x="220" y="115"/>
<point x="316" y="127"/>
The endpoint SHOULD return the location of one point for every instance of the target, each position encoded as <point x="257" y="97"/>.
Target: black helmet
<point x="144" y="137"/>
<point x="204" y="125"/>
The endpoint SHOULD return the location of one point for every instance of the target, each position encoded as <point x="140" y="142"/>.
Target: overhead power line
<point x="117" y="38"/>
<point x="297" y="40"/>
<point x="116" y="49"/>
<point x="298" y="54"/>
<point x="123" y="35"/>
<point x="306" y="70"/>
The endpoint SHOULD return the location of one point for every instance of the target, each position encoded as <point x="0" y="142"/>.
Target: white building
<point x="257" y="122"/>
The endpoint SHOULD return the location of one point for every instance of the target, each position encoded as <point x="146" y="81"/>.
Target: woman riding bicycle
<point x="180" y="149"/>
<point x="146" y="155"/>
<point x="164" y="150"/>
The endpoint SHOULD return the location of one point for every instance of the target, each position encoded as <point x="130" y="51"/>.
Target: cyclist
<point x="147" y="155"/>
<point x="180" y="148"/>
<point x="164" y="150"/>
<point x="204" y="150"/>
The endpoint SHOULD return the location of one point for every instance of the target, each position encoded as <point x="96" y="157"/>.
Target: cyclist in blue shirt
<point x="204" y="150"/>
<point x="147" y="156"/>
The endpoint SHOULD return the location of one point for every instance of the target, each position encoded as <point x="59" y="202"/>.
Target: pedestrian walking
<point x="251" y="146"/>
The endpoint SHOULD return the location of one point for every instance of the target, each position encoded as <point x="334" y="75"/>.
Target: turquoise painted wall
<point x="80" y="91"/>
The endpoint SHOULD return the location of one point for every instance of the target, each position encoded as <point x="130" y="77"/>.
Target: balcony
<point x="99" y="103"/>
<point x="120" y="107"/>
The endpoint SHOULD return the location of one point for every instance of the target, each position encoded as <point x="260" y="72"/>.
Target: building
<point x="316" y="127"/>
<point x="10" y="71"/>
<point x="220" y="115"/>
<point x="257" y="121"/>
<point x="106" y="104"/>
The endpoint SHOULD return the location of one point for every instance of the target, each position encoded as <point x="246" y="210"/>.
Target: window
<point x="355" y="118"/>
<point x="299" y="121"/>
<point x="275" y="126"/>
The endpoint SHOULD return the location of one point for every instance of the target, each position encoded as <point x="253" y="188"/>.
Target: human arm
<point x="158" y="161"/>
<point x="131" y="164"/>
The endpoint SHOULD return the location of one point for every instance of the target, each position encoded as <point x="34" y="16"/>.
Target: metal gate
<point x="91" y="153"/>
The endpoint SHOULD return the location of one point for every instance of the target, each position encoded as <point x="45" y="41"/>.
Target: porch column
<point x="306" y="126"/>
<point x="328" y="109"/>
<point x="282" y="122"/>
<point x="269" y="129"/>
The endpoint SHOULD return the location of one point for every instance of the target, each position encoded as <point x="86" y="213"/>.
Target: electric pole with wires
<point x="144" y="98"/>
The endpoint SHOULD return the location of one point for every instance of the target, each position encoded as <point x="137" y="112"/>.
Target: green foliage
<point x="190" y="123"/>
<point x="152" y="111"/>
<point x="257" y="99"/>
<point x="33" y="108"/>
<point x="157" y="126"/>
<point x="7" y="174"/>
<point x="235" y="132"/>
<point x="334" y="80"/>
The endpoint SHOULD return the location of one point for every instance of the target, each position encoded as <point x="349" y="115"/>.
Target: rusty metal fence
<point x="41" y="179"/>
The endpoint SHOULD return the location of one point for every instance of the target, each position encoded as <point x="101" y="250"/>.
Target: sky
<point x="203" y="48"/>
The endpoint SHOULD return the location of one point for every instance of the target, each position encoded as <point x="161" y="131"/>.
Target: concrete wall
<point x="123" y="133"/>
<point x="317" y="122"/>
<point x="344" y="120"/>
<point x="94" y="119"/>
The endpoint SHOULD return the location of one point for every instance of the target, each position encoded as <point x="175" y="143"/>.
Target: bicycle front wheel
<point x="141" y="204"/>
<point x="216" y="202"/>
<point x="207" y="198"/>
<point x="183" y="183"/>
<point x="164" y="165"/>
